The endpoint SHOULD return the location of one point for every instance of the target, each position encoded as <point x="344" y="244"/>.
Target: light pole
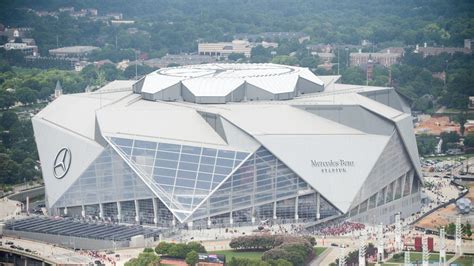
<point x="425" y="252"/>
<point x="442" y="247"/>
<point x="407" y="258"/>
<point x="362" y="247"/>
<point x="347" y="54"/>
<point x="136" y="65"/>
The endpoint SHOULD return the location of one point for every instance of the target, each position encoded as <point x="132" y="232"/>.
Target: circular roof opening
<point x="221" y="83"/>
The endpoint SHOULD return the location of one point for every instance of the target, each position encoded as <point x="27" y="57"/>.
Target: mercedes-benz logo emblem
<point x="62" y="162"/>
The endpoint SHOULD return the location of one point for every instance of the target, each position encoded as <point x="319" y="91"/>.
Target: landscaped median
<point x="276" y="250"/>
<point x="255" y="250"/>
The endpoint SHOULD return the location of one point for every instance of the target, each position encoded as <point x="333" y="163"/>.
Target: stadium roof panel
<point x="214" y="83"/>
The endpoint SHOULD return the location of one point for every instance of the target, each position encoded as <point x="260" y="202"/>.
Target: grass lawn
<point x="417" y="256"/>
<point x="239" y="254"/>
<point x="319" y="250"/>
<point x="465" y="260"/>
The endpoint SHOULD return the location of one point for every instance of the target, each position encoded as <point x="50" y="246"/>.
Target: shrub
<point x="260" y="242"/>
<point x="275" y="254"/>
<point x="280" y="262"/>
<point x="246" y="262"/>
<point x="295" y="250"/>
<point x="311" y="240"/>
<point x="148" y="250"/>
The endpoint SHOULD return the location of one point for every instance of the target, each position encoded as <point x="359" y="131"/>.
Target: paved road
<point x="50" y="252"/>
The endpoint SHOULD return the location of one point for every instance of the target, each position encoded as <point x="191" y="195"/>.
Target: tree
<point x="467" y="230"/>
<point x="129" y="72"/>
<point x="260" y="54"/>
<point x="423" y="104"/>
<point x="89" y="72"/>
<point x="449" y="137"/>
<point x="144" y="259"/>
<point x="8" y="169"/>
<point x="192" y="258"/>
<point x="309" y="61"/>
<point x="26" y="95"/>
<point x="178" y="251"/>
<point x="353" y="75"/>
<point x="8" y="119"/>
<point x="27" y="169"/>
<point x="426" y="144"/>
<point x="7" y="99"/>
<point x="18" y="155"/>
<point x="101" y="80"/>
<point x="285" y="60"/>
<point x="462" y="119"/>
<point x="110" y="72"/>
<point x="163" y="248"/>
<point x="469" y="141"/>
<point x="451" y="229"/>
<point x="235" y="56"/>
<point x="4" y="66"/>
<point x="196" y="246"/>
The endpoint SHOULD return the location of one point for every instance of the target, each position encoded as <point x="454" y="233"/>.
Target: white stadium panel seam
<point x="65" y="128"/>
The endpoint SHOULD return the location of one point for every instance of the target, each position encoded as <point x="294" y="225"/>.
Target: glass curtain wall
<point x="181" y="175"/>
<point x="263" y="181"/>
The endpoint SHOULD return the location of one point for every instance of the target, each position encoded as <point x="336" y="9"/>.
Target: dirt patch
<point x="439" y="218"/>
<point x="444" y="216"/>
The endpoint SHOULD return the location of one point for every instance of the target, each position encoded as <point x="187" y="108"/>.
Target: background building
<point x="179" y="59"/>
<point x="275" y="36"/>
<point x="222" y="144"/>
<point x="224" y="49"/>
<point x="26" y="49"/>
<point x="386" y="59"/>
<point x="73" y="51"/>
<point x="432" y="51"/>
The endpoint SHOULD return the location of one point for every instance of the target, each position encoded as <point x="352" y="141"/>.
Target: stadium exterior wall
<point x="137" y="160"/>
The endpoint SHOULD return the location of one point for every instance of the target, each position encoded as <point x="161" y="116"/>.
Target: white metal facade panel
<point x="50" y="139"/>
<point x="298" y="151"/>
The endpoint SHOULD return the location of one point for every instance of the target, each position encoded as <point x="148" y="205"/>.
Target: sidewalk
<point x="319" y="260"/>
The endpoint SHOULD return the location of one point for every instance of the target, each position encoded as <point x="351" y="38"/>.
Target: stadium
<point x="230" y="144"/>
